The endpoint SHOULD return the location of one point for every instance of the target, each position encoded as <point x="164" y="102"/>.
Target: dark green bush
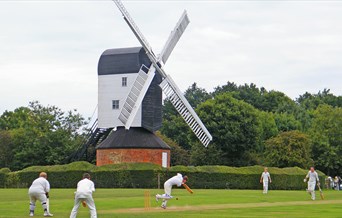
<point x="145" y="175"/>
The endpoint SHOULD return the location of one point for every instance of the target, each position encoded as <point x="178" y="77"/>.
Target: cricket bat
<point x="320" y="192"/>
<point x="187" y="188"/>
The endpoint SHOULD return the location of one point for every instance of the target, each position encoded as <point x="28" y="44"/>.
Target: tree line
<point x="250" y="125"/>
<point x="38" y="135"/>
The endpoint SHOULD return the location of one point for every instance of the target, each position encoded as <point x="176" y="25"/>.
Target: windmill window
<point x="115" y="104"/>
<point x="124" y="81"/>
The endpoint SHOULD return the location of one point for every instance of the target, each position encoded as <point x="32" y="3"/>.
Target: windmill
<point x="169" y="87"/>
<point x="130" y="85"/>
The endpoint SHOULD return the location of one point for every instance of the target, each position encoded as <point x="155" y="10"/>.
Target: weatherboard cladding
<point x="129" y="60"/>
<point x="122" y="60"/>
<point x="135" y="137"/>
<point x="152" y="106"/>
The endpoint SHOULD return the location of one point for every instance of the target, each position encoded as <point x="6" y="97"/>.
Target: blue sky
<point x="49" y="49"/>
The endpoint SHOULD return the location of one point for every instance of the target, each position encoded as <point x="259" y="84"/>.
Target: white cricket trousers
<point x="167" y="190"/>
<point x="34" y="196"/>
<point x="265" y="184"/>
<point x="79" y="197"/>
<point x="311" y="189"/>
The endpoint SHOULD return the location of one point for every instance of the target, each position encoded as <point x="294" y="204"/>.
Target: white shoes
<point x="47" y="214"/>
<point x="31" y="214"/>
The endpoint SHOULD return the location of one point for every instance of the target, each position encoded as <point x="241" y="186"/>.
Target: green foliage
<point x="286" y="122"/>
<point x="6" y="152"/>
<point x="288" y="149"/>
<point x="179" y="155"/>
<point x="38" y="135"/>
<point x="145" y="175"/>
<point x="173" y="124"/>
<point x="235" y="128"/>
<point x="312" y="101"/>
<point x="270" y="101"/>
<point x="326" y="135"/>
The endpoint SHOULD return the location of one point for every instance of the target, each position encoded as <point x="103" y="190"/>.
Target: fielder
<point x="265" y="177"/>
<point x="85" y="189"/>
<point x="176" y="180"/>
<point x="313" y="178"/>
<point x="39" y="190"/>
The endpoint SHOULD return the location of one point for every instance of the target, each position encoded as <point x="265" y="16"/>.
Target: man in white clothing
<point x="313" y="178"/>
<point x="39" y="190"/>
<point x="265" y="177"/>
<point x="84" y="193"/>
<point x="177" y="180"/>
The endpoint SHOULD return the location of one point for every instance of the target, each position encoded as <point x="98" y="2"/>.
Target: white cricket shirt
<point x="313" y="176"/>
<point x="176" y="180"/>
<point x="85" y="186"/>
<point x="265" y="176"/>
<point x="40" y="185"/>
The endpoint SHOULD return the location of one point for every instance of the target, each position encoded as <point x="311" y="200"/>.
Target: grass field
<point x="203" y="203"/>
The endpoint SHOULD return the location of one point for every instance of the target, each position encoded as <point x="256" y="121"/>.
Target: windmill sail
<point x="185" y="110"/>
<point x="168" y="86"/>
<point x="174" y="37"/>
<point x="136" y="95"/>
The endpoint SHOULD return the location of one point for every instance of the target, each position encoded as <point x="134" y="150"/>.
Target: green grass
<point x="113" y="203"/>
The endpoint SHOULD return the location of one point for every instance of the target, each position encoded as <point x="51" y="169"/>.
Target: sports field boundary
<point x="220" y="206"/>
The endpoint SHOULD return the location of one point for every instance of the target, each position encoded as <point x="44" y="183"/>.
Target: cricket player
<point x="39" y="190"/>
<point x="177" y="180"/>
<point x="265" y="177"/>
<point x="313" y="178"/>
<point x="84" y="193"/>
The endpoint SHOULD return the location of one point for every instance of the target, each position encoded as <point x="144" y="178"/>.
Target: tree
<point x="288" y="149"/>
<point x="260" y="98"/>
<point x="173" y="124"/>
<point x="312" y="101"/>
<point x="326" y="134"/>
<point x="286" y="122"/>
<point x="40" y="135"/>
<point x="179" y="156"/>
<point x="6" y="154"/>
<point x="235" y="128"/>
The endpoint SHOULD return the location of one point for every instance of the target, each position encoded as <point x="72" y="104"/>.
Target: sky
<point x="49" y="50"/>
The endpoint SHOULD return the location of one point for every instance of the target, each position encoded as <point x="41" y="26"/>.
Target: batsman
<point x="313" y="178"/>
<point x="177" y="180"/>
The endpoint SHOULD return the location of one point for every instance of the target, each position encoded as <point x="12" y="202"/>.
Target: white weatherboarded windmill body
<point x="130" y="85"/>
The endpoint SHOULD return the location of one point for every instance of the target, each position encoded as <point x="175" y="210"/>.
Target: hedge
<point x="145" y="175"/>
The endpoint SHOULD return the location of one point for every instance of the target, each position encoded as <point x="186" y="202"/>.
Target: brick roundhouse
<point x="135" y="145"/>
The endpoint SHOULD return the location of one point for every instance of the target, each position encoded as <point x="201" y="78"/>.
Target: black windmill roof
<point x="135" y="137"/>
<point x="122" y="60"/>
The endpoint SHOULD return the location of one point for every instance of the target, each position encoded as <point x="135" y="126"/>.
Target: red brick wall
<point x="114" y="156"/>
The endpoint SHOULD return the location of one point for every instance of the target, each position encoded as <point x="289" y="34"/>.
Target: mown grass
<point x="232" y="203"/>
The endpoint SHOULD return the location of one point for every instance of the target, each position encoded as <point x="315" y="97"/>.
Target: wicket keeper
<point x="177" y="180"/>
<point x="39" y="190"/>
<point x="313" y="178"/>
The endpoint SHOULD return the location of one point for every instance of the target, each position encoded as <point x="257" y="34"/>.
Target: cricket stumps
<point x="147" y="200"/>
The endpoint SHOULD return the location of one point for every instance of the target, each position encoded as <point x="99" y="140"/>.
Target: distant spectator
<point x="328" y="182"/>
<point x="331" y="182"/>
<point x="336" y="183"/>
